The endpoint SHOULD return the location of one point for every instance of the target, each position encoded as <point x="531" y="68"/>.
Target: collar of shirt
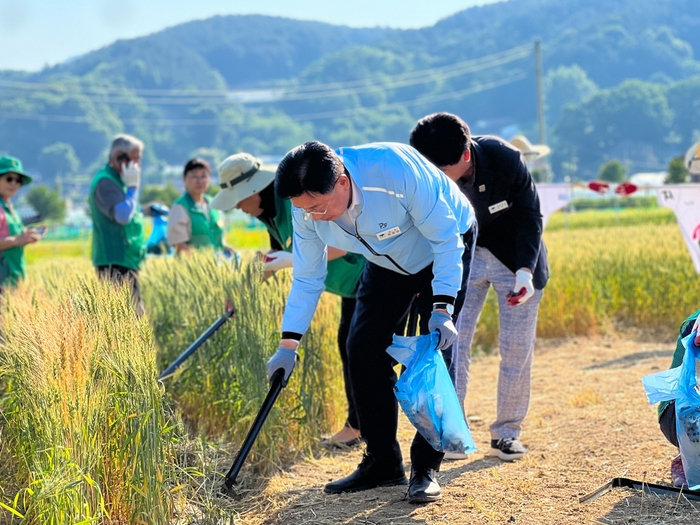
<point x="347" y="219"/>
<point x="356" y="201"/>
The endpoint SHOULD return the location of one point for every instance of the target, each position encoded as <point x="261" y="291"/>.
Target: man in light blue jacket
<point x="388" y="203"/>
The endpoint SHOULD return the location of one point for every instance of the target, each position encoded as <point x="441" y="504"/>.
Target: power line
<point x="417" y="102"/>
<point x="180" y="97"/>
<point x="298" y="117"/>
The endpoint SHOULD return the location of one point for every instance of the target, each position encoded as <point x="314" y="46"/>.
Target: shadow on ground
<point x="651" y="509"/>
<point x="377" y="506"/>
<point x="632" y="359"/>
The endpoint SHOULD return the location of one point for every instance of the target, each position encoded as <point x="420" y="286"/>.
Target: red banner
<point x="625" y="189"/>
<point x="599" y="186"/>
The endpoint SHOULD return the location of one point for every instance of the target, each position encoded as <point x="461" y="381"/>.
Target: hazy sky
<point x="35" y="33"/>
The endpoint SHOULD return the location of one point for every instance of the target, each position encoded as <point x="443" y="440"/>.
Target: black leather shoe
<point x="423" y="488"/>
<point x="369" y="474"/>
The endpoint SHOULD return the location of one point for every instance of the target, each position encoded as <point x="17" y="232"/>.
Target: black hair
<point x="441" y="137"/>
<point x="194" y="164"/>
<point x="312" y="167"/>
<point x="267" y="202"/>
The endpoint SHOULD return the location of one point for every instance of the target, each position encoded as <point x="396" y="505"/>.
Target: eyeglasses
<point x="314" y="209"/>
<point x="18" y="180"/>
<point x="198" y="177"/>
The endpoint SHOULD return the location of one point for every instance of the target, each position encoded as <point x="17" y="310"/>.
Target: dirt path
<point x="588" y="422"/>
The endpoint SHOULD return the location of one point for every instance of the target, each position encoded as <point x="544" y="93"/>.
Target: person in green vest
<point x="13" y="236"/>
<point x="247" y="184"/>
<point x="118" y="237"/>
<point x="193" y="223"/>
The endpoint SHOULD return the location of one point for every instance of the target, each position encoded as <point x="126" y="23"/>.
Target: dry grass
<point x="589" y="422"/>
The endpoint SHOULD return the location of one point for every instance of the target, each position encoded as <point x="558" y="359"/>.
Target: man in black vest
<point x="510" y="256"/>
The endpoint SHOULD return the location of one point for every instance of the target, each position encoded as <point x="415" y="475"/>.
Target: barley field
<point x="85" y="431"/>
<point x="88" y="434"/>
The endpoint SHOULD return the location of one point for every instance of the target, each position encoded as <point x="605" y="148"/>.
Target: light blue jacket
<point x="400" y="189"/>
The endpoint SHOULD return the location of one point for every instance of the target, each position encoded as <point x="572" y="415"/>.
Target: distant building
<point x="651" y="178"/>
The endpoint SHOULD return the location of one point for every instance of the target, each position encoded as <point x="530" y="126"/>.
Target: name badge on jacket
<point x="388" y="233"/>
<point x="498" y="207"/>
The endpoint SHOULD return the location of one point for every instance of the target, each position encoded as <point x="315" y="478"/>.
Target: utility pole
<point x="540" y="94"/>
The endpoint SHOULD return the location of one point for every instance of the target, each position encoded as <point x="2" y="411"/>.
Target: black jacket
<point x="512" y="234"/>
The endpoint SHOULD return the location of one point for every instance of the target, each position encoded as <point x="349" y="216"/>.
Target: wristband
<point x="444" y="306"/>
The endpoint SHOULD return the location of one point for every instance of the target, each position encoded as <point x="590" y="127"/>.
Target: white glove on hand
<point x="277" y="260"/>
<point x="442" y="322"/>
<point x="284" y="358"/>
<point x="523" y="279"/>
<point x="131" y="174"/>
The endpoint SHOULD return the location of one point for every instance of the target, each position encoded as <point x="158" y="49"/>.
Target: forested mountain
<point x="622" y="80"/>
<point x="241" y="51"/>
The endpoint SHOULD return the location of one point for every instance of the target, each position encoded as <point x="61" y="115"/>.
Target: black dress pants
<point x="383" y="299"/>
<point x="347" y="309"/>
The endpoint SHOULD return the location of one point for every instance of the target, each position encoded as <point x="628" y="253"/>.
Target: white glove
<point x="522" y="288"/>
<point x="285" y="359"/>
<point x="442" y="322"/>
<point x="131" y="174"/>
<point x="277" y="260"/>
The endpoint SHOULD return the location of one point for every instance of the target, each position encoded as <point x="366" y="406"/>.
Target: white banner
<point x="684" y="200"/>
<point x="553" y="197"/>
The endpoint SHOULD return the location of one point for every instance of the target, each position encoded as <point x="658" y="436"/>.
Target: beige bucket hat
<point x="692" y="159"/>
<point x="530" y="151"/>
<point x="240" y="176"/>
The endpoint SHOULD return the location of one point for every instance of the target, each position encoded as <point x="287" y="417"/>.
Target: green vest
<point x="206" y="233"/>
<point x="12" y="265"/>
<point x="114" y="243"/>
<point x="343" y="273"/>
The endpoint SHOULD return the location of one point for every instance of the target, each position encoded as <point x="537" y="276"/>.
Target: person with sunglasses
<point x="247" y="185"/>
<point x="415" y="228"/>
<point x="13" y="236"/>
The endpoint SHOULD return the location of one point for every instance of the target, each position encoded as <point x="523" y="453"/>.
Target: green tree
<point x="59" y="158"/>
<point x="213" y="156"/>
<point x="163" y="194"/>
<point x="612" y="171"/>
<point x="566" y="85"/>
<point x="47" y="202"/>
<point x="614" y="122"/>
<point x="677" y="172"/>
<point x="684" y="101"/>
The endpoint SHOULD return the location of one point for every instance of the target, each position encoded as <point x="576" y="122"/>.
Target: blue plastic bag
<point x="427" y="396"/>
<point x="681" y="384"/>
<point x="157" y="243"/>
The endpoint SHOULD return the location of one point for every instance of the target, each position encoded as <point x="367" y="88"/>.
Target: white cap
<point x="692" y="159"/>
<point x="240" y="176"/>
<point x="530" y="151"/>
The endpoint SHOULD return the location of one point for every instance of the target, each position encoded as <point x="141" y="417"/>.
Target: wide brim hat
<point x="530" y="151"/>
<point x="692" y="159"/>
<point x="241" y="176"/>
<point x="14" y="165"/>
